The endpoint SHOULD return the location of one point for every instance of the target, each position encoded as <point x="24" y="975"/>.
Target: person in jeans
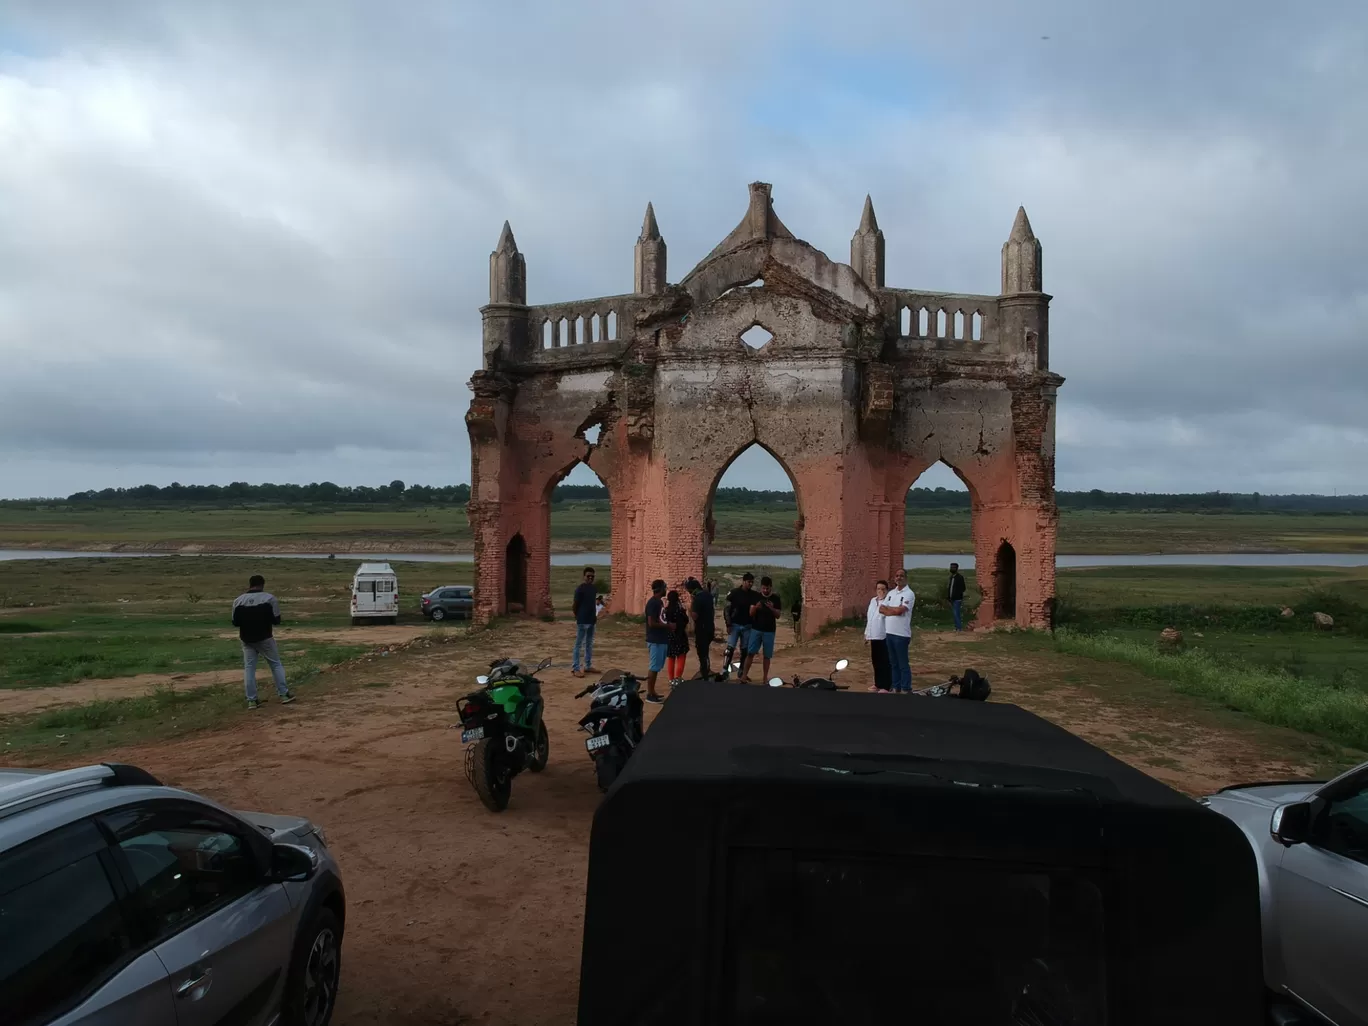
<point x="704" y="623"/>
<point x="764" y="622"/>
<point x="585" y="608"/>
<point x="657" y="638"/>
<point x="875" y="633"/>
<point x="897" y="613"/>
<point x="956" y="594"/>
<point x="255" y="613"/>
<point x="739" y="602"/>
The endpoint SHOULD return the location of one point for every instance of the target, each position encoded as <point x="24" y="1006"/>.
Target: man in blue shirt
<point x="585" y="607"/>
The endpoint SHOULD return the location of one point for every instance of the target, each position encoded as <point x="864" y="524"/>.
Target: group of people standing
<point x="888" y="629"/>
<point x="751" y="616"/>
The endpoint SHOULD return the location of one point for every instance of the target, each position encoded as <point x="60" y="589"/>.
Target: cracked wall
<point x="854" y="397"/>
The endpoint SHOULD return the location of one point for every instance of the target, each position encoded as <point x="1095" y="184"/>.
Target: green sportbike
<point x="502" y="725"/>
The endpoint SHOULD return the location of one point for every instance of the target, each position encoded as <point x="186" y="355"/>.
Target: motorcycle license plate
<point x="595" y="743"/>
<point x="473" y="734"/>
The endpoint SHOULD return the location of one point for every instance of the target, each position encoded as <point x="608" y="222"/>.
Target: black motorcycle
<point x="613" y="723"/>
<point x="502" y="724"/>
<point x="827" y="683"/>
<point x="970" y="686"/>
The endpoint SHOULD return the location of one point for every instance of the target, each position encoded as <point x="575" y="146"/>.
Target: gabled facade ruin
<point x="858" y="389"/>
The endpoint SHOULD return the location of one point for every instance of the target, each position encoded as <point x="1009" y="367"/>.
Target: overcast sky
<point x="249" y="241"/>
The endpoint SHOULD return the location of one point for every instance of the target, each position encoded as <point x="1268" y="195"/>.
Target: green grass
<point x="585" y="527"/>
<point x="61" y="659"/>
<point x="1271" y="696"/>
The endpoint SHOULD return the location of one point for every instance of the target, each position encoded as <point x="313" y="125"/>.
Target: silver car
<point x="123" y="901"/>
<point x="1311" y="844"/>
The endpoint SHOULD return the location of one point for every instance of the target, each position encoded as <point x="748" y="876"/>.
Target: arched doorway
<point x="754" y="522"/>
<point x="515" y="575"/>
<point x="1004" y="582"/>
<point x="937" y="534"/>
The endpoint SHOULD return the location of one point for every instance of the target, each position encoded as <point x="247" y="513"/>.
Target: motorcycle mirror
<point x="841" y="664"/>
<point x="542" y="665"/>
<point x="736" y="666"/>
<point x="482" y="679"/>
<point x="776" y="682"/>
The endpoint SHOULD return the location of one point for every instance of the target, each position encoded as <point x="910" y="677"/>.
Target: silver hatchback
<point x="123" y="901"/>
<point x="1311" y="844"/>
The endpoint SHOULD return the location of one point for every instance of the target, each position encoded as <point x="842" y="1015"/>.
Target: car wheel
<point x="311" y="993"/>
<point x="439" y="614"/>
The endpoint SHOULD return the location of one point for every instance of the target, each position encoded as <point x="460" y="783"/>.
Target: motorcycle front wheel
<point x="493" y="783"/>
<point x="543" y="750"/>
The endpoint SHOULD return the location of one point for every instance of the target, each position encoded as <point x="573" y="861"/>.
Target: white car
<point x="1310" y="840"/>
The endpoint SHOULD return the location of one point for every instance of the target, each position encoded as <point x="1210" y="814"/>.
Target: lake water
<point x="784" y="559"/>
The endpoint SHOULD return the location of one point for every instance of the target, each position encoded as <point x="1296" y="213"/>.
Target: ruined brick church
<point x="854" y="387"/>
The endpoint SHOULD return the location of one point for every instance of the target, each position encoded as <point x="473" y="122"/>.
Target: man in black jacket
<point x="255" y="612"/>
<point x="704" y="621"/>
<point x="956" y="594"/>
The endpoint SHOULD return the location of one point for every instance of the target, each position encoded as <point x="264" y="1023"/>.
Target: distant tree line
<point x="397" y="493"/>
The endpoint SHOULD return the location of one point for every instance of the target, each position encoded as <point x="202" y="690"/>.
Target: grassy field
<point x="586" y="528"/>
<point x="78" y="620"/>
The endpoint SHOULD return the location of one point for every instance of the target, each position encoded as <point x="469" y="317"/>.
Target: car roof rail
<point x="46" y="787"/>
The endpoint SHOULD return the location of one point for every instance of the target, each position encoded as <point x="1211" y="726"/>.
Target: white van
<point x="375" y="594"/>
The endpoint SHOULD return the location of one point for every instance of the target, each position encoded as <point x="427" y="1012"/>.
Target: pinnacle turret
<point x="648" y="274"/>
<point x="649" y="228"/>
<point x="507" y="271"/>
<point x="1021" y="258"/>
<point x="867" y="248"/>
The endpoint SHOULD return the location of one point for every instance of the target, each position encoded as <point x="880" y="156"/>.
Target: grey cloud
<point x="293" y="206"/>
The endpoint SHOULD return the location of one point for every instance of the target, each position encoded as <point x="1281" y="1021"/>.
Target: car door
<point x="69" y="953"/>
<point x="365" y="596"/>
<point x="462" y="601"/>
<point x="199" y="881"/>
<point x="1322" y="906"/>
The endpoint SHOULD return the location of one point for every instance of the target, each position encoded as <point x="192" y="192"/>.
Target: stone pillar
<point x="505" y="317"/>
<point x="867" y="248"/>
<point x="649" y="258"/>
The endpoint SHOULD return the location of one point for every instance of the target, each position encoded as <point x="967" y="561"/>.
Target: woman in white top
<point x="875" y="633"/>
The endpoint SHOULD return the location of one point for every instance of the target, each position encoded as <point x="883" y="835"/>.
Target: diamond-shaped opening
<point x="756" y="336"/>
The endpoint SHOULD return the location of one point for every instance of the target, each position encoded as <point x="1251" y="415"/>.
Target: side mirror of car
<point x="1291" y="824"/>
<point x="293" y="863"/>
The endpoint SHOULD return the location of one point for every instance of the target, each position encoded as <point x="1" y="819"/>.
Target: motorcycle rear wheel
<point x="493" y="783"/>
<point x="606" y="769"/>
<point x="542" y="752"/>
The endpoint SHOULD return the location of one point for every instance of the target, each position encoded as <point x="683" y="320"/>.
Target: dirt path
<point x="459" y="915"/>
<point x="22" y="701"/>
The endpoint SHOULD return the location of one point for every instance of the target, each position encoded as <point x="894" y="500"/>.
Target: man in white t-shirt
<point x="897" y="612"/>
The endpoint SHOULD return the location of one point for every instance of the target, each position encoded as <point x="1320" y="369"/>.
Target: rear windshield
<point x="979" y="944"/>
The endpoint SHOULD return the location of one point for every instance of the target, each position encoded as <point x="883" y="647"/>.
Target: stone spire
<point x="507" y="271"/>
<point x="1021" y="257"/>
<point x="867" y="248"/>
<point x="649" y="258"/>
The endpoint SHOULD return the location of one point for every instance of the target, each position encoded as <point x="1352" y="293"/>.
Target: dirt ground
<point x="460" y="915"/>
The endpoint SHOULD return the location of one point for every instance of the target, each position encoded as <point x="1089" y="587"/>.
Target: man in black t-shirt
<point x="657" y="638"/>
<point x="763" y="614"/>
<point x="739" y="602"/>
<point x="704" y="621"/>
